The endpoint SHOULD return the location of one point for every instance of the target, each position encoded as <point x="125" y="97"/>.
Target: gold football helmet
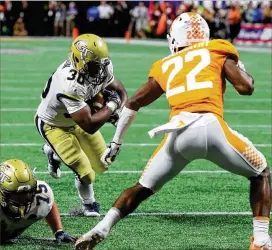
<point x="18" y="187"/>
<point x="90" y="56"/>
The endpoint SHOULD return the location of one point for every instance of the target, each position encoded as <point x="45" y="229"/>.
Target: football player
<point x="65" y="121"/>
<point x="24" y="201"/>
<point x="193" y="78"/>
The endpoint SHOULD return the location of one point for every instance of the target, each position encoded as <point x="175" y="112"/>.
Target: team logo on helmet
<point x="4" y="176"/>
<point x="82" y="47"/>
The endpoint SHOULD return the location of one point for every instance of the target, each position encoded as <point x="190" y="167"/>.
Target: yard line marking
<point x="257" y="100"/>
<point x="154" y="111"/>
<point x="146" y="125"/>
<point x="125" y="144"/>
<point x="139" y="172"/>
<point x="175" y="214"/>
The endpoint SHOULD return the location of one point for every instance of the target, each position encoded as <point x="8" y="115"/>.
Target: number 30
<point x="191" y="83"/>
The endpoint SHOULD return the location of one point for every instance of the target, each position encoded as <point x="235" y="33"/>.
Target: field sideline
<point x="204" y="208"/>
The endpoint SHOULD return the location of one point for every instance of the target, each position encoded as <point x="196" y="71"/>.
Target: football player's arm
<point x="145" y="95"/>
<point x="92" y="123"/>
<point x="241" y="80"/>
<point x="54" y="221"/>
<point x="118" y="86"/>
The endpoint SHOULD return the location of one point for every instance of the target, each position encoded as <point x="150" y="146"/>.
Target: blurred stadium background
<point x="204" y="208"/>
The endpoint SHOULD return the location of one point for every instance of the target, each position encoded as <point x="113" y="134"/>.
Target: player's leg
<point x="163" y="166"/>
<point x="93" y="146"/>
<point x="54" y="161"/>
<point x="237" y="154"/>
<point x="67" y="147"/>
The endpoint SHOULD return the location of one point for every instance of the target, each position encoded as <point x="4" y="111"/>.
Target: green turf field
<point x="183" y="214"/>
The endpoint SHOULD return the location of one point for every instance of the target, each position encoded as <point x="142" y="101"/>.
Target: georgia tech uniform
<point x="65" y="93"/>
<point x="194" y="86"/>
<point x="40" y="208"/>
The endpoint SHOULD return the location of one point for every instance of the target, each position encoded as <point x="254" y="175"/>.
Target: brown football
<point x="97" y="103"/>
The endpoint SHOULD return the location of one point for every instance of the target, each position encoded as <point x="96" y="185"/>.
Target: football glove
<point x="111" y="152"/>
<point x="61" y="236"/>
<point x="112" y="96"/>
<point x="115" y="117"/>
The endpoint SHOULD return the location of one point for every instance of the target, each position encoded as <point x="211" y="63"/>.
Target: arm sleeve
<point x="125" y="121"/>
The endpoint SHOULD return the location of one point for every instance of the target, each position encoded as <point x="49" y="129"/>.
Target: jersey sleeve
<point x="156" y="73"/>
<point x="44" y="199"/>
<point x="73" y="98"/>
<point x="224" y="47"/>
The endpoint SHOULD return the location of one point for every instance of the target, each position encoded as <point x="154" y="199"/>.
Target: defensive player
<point x="24" y="201"/>
<point x="65" y="121"/>
<point x="193" y="79"/>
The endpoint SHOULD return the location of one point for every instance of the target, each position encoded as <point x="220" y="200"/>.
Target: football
<point x="97" y="103"/>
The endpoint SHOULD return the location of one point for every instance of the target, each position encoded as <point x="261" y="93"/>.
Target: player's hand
<point x="241" y="66"/>
<point x="115" y="117"/>
<point x="111" y="152"/>
<point x="61" y="236"/>
<point x="112" y="96"/>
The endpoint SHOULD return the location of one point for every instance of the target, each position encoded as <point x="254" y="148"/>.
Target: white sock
<point x="260" y="230"/>
<point x="56" y="157"/>
<point x="85" y="192"/>
<point x="105" y="225"/>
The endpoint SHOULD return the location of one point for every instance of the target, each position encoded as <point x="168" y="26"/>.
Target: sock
<point x="105" y="225"/>
<point x="85" y="192"/>
<point x="260" y="230"/>
<point x="56" y="158"/>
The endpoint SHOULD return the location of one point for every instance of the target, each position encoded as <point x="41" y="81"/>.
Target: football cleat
<point x="90" y="239"/>
<point x="53" y="162"/>
<point x="91" y="210"/>
<point x="266" y="246"/>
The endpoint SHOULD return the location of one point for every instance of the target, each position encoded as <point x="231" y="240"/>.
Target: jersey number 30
<point x="191" y="83"/>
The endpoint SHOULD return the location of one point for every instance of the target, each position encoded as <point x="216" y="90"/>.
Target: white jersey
<point x="40" y="208"/>
<point x="66" y="92"/>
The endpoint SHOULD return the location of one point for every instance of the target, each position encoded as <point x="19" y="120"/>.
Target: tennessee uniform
<point x="194" y="87"/>
<point x="193" y="80"/>
<point x="86" y="72"/>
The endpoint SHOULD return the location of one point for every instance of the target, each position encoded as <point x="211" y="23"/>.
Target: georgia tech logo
<point x="3" y="176"/>
<point x="82" y="47"/>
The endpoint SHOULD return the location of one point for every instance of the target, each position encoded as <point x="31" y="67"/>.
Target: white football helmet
<point x="187" y="29"/>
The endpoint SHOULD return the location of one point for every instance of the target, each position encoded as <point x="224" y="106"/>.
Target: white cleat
<point x="89" y="240"/>
<point x="53" y="162"/>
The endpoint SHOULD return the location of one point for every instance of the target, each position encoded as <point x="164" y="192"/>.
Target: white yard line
<point x="176" y="214"/>
<point x="139" y="172"/>
<point x="125" y="144"/>
<point x="146" y="125"/>
<point x="248" y="100"/>
<point x="153" y="111"/>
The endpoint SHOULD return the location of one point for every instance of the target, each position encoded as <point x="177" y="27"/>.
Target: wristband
<point x="112" y="105"/>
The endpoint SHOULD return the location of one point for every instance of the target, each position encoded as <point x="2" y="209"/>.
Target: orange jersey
<point x="192" y="79"/>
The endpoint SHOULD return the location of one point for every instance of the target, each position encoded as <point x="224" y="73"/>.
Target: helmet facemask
<point x="96" y="72"/>
<point x="17" y="204"/>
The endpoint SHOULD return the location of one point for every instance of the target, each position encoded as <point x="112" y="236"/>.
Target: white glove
<point x="111" y="152"/>
<point x="241" y="66"/>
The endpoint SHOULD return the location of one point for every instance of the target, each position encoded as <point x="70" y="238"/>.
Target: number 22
<point x="191" y="83"/>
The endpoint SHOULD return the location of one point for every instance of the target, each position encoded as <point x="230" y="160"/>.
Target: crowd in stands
<point x="118" y="18"/>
